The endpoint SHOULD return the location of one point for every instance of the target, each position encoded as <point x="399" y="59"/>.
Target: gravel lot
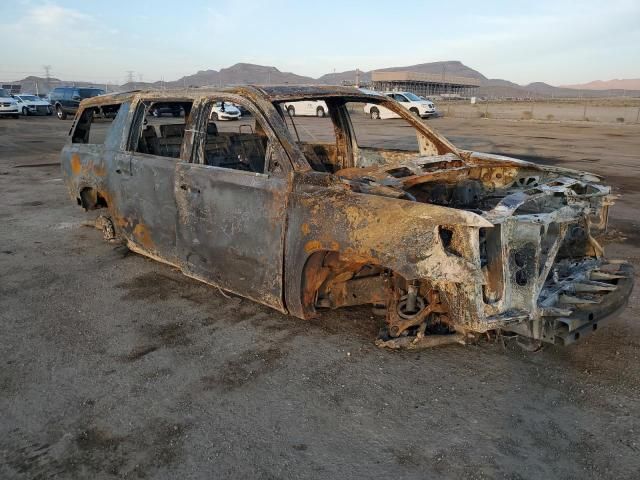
<point x="116" y="366"/>
<point x="611" y="110"/>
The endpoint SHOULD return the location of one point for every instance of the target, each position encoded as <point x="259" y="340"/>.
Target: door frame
<point x="281" y="180"/>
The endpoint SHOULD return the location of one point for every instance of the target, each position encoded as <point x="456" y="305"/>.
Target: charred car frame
<point x="450" y="243"/>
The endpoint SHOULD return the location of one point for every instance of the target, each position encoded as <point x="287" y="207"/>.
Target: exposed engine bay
<point x="540" y="263"/>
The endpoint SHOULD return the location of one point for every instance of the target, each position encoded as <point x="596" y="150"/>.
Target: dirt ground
<point x="589" y="110"/>
<point x="116" y="366"/>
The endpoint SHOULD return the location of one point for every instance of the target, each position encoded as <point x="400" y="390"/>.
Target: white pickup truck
<point x="418" y="106"/>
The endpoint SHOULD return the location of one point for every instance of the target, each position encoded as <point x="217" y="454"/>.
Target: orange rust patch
<point x="99" y="170"/>
<point x="305" y="229"/>
<point x="76" y="164"/>
<point x="107" y="197"/>
<point x="312" y="245"/>
<point x="141" y="232"/>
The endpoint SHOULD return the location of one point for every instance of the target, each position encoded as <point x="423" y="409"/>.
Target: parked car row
<point x="63" y="100"/>
<point x="419" y="106"/>
<point x="220" y="110"/>
<point x="66" y="100"/>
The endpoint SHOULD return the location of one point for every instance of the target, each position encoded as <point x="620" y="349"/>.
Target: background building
<point x="425" y="84"/>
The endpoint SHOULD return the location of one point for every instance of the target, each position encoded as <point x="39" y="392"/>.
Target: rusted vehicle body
<point x="450" y="243"/>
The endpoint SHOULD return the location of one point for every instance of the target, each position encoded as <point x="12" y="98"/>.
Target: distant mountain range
<point x="615" y="84"/>
<point x="247" y="73"/>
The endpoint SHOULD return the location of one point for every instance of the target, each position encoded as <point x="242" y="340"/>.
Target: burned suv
<point x="311" y="214"/>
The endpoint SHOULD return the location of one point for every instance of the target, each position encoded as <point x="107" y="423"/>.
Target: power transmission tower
<point x="47" y="75"/>
<point x="131" y="80"/>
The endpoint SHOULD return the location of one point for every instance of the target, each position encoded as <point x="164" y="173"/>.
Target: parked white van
<point x="315" y="108"/>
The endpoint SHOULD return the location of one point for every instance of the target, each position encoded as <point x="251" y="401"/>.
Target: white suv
<point x="416" y="105"/>
<point x="8" y="106"/>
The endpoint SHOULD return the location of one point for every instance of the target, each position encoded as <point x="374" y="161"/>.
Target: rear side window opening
<point x="94" y="123"/>
<point x="237" y="138"/>
<point x="162" y="128"/>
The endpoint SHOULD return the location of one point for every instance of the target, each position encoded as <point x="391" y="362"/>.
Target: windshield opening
<point x="30" y="98"/>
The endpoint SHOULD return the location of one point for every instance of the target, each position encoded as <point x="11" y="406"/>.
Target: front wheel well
<point x="90" y="198"/>
<point x="331" y="280"/>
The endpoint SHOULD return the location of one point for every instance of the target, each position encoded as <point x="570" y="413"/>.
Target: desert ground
<point x="602" y="110"/>
<point x="116" y="366"/>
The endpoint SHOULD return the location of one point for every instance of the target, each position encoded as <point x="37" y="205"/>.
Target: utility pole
<point x="130" y="76"/>
<point x="357" y="78"/>
<point x="47" y="75"/>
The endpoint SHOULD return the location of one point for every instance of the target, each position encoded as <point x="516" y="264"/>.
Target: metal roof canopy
<point x="408" y="76"/>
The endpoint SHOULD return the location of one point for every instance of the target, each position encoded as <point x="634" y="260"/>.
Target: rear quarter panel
<point x="86" y="165"/>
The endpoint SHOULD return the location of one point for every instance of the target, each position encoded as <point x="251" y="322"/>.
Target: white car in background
<point x="308" y="108"/>
<point x="8" y="105"/>
<point x="418" y="106"/>
<point x="378" y="112"/>
<point x="224" y="111"/>
<point x="32" y="105"/>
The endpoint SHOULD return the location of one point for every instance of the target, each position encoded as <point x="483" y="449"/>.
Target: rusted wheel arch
<point x="90" y="198"/>
<point x="316" y="272"/>
<point x="313" y="275"/>
<point x="328" y="277"/>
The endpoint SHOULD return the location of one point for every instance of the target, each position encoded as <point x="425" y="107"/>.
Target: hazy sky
<point x="552" y="41"/>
